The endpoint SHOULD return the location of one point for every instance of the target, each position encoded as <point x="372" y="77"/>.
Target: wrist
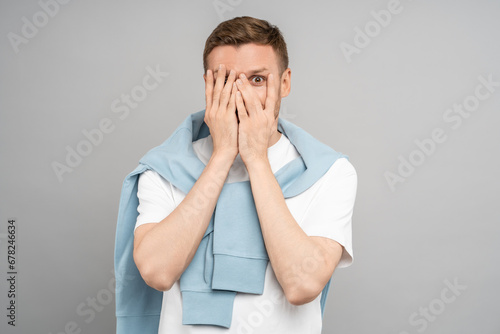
<point x="224" y="156"/>
<point x="258" y="164"/>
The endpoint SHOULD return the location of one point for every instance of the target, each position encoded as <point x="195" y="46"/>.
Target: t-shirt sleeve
<point x="330" y="211"/>
<point x="156" y="199"/>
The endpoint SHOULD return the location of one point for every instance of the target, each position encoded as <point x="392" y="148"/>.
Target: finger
<point x="231" y="107"/>
<point x="251" y="100"/>
<point x="240" y="106"/>
<point x="271" y="97"/>
<point x="226" y="92"/>
<point x="209" y="89"/>
<point x="219" y="84"/>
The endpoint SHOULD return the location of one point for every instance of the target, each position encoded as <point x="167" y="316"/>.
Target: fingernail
<point x="220" y="66"/>
<point x="242" y="75"/>
<point x="239" y="82"/>
<point x="231" y="72"/>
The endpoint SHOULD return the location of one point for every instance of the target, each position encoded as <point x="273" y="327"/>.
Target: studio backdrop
<point x="409" y="90"/>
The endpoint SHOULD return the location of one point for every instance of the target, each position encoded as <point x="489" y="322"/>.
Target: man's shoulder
<point x="343" y="171"/>
<point x="343" y="165"/>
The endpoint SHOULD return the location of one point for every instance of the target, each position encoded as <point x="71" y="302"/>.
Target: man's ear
<point x="286" y="82"/>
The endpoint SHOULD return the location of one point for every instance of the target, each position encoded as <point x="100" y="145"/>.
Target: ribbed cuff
<point x="207" y="308"/>
<point x="137" y="324"/>
<point x="228" y="274"/>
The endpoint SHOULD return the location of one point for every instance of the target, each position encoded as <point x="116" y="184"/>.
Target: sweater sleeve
<point x="329" y="213"/>
<point x="156" y="199"/>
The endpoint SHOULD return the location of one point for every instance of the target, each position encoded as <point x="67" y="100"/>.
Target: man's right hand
<point x="220" y="111"/>
<point x="163" y="250"/>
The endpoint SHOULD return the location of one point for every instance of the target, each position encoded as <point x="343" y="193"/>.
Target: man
<point x="227" y="258"/>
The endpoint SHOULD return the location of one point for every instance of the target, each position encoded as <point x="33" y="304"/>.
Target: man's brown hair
<point x="244" y="30"/>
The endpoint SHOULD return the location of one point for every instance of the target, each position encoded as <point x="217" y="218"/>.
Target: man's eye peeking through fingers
<point x="258" y="80"/>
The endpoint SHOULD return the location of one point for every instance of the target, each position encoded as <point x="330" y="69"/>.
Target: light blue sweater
<point x="231" y="256"/>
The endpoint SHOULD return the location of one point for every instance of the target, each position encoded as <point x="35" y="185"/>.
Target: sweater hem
<point x="207" y="308"/>
<point x="228" y="274"/>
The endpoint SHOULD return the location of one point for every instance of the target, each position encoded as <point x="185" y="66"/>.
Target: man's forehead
<point x="245" y="58"/>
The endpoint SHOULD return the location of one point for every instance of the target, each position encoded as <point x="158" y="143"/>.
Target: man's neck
<point x="274" y="138"/>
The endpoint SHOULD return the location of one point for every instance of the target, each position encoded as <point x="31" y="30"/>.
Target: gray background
<point x="440" y="224"/>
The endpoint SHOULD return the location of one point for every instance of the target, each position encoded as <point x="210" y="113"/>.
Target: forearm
<point x="165" y="250"/>
<point x="298" y="262"/>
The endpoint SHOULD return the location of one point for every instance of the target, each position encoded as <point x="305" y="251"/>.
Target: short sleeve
<point x="329" y="213"/>
<point x="156" y="199"/>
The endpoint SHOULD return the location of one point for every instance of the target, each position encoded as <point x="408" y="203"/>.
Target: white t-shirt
<point x="325" y="209"/>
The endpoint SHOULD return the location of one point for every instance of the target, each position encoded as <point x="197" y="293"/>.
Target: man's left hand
<point x="257" y="125"/>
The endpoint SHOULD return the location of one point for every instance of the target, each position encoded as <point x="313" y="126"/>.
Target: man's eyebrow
<point x="258" y="70"/>
<point x="249" y="73"/>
